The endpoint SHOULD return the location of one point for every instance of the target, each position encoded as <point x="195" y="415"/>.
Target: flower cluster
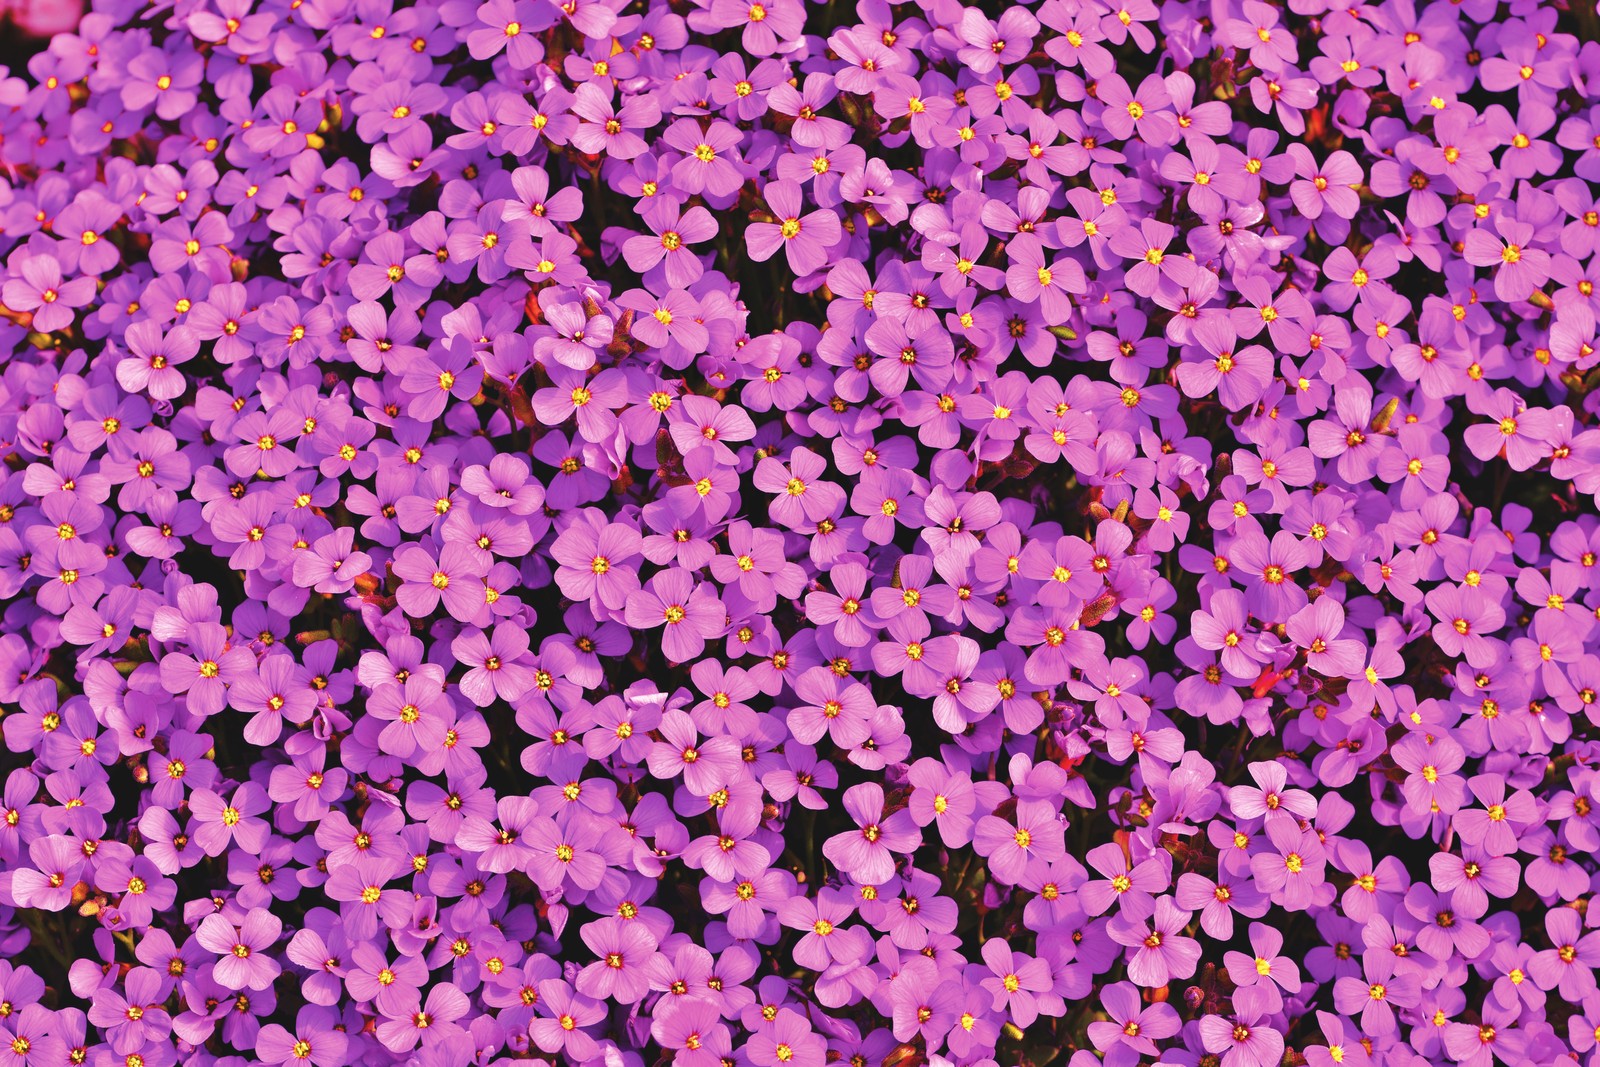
<point x="759" y="533"/>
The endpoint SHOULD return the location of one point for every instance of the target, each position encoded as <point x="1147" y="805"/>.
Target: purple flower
<point x="313" y="1039"/>
<point x="1009" y="848"/>
<point x="151" y="364"/>
<point x="1031" y="279"/>
<point x="1014" y="979"/>
<point x="804" y="238"/>
<point x="1245" y="1040"/>
<point x="48" y="883"/>
<point x="867" y="853"/>
<point x="1158" y="952"/>
<point x="690" y="613"/>
<point x="40" y="288"/>
<point x="450" y="554"/>
<point x="623" y="952"/>
<point x="242" y="959"/>
<point x="561" y="1029"/>
<point x="710" y="160"/>
<point x="675" y="230"/>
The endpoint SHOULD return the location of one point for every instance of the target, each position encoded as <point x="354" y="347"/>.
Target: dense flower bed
<point x="761" y="534"/>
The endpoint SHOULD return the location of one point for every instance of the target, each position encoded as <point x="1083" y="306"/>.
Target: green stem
<point x="1583" y="13"/>
<point x="52" y="941"/>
